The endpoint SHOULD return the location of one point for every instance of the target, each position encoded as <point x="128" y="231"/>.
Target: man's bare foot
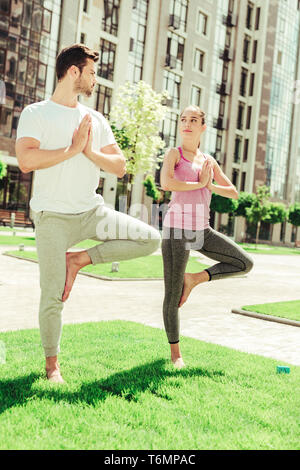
<point x="190" y="281"/>
<point x="54" y="376"/>
<point x="53" y="370"/>
<point x="74" y="262"/>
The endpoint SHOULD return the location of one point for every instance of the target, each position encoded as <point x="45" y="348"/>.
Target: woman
<point x="189" y="174"/>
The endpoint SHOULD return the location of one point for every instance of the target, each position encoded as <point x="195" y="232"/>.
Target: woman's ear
<point x="204" y="127"/>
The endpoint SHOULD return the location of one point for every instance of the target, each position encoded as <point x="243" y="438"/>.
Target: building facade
<point x="237" y="59"/>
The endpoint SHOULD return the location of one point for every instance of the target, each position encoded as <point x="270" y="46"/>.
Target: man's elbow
<point x="122" y="169"/>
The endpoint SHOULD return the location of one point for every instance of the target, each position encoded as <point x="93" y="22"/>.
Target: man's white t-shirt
<point x="68" y="187"/>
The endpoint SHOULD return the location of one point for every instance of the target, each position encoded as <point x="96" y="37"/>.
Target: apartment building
<point x="237" y="59"/>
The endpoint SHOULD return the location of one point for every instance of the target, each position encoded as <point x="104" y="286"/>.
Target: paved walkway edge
<point x="261" y="316"/>
<point x="104" y="278"/>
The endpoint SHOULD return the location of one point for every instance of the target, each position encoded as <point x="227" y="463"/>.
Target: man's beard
<point x="82" y="88"/>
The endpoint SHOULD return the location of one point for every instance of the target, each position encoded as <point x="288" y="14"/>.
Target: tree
<point x="3" y="169"/>
<point x="294" y="215"/>
<point x="244" y="200"/>
<point x="277" y="213"/>
<point x="151" y="188"/>
<point x="259" y="209"/>
<point x="223" y="205"/>
<point x="135" y="119"/>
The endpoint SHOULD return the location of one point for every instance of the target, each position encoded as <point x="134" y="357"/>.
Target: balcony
<point x="171" y="61"/>
<point x="230" y="19"/>
<point x="220" y="123"/>
<point x="226" y="54"/>
<point x="223" y="88"/>
<point x="174" y="22"/>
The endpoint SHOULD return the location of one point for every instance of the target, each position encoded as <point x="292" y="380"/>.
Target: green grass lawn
<point x="269" y="249"/>
<point x="290" y="309"/>
<point x="123" y="393"/>
<point x="144" y="267"/>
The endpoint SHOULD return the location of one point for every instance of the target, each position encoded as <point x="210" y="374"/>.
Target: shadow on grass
<point x="129" y="385"/>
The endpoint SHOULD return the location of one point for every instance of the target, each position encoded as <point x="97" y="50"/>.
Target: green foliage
<point x="294" y="214"/>
<point x="260" y="207"/>
<point x="223" y="204"/>
<point x="151" y="188"/>
<point x="135" y="118"/>
<point x="3" y="169"/>
<point x="277" y="213"/>
<point x="120" y="136"/>
<point x="245" y="200"/>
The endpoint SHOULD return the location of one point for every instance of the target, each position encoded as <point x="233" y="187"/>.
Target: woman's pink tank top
<point x="188" y="209"/>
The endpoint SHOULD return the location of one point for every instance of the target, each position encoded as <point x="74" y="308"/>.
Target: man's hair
<point x="77" y="54"/>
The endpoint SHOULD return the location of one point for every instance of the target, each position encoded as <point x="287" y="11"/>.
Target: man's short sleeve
<point x="29" y="124"/>
<point x="106" y="135"/>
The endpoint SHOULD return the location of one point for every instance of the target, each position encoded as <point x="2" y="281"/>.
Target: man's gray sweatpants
<point x="124" y="237"/>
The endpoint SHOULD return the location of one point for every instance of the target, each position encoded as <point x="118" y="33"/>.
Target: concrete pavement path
<point x="206" y="316"/>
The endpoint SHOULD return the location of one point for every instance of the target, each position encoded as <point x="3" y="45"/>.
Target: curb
<point x="96" y="276"/>
<point x="261" y="316"/>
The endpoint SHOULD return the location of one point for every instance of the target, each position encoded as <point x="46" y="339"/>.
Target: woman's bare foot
<point x="190" y="281"/>
<point x="74" y="262"/>
<point x="178" y="363"/>
<point x="176" y="356"/>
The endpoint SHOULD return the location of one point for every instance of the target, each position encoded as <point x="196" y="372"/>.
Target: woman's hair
<point x="198" y="110"/>
<point x="77" y="54"/>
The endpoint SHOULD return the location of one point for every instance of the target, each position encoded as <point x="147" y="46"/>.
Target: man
<point x="66" y="143"/>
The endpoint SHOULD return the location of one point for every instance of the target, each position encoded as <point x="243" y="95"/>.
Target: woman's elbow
<point x="235" y="193"/>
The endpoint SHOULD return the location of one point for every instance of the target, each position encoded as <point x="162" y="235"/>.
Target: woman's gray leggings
<point x="176" y="246"/>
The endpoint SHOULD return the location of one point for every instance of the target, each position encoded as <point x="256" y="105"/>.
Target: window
<point x="169" y="129"/>
<point x="249" y="112"/>
<point x="257" y="18"/>
<point x="196" y="95"/>
<point x="172" y="83"/>
<point x="240" y="119"/>
<point x="254" y="53"/>
<point x="243" y="86"/>
<point x="235" y="177"/>
<point x="279" y="58"/>
<point x="85" y="5"/>
<point x="82" y="38"/>
<point x="103" y="100"/>
<point x="246" y="48"/>
<point x="175" y="51"/>
<point x="282" y="25"/>
<point x="107" y="59"/>
<point x="251" y="86"/>
<point x="237" y="149"/>
<point x="249" y="15"/>
<point x="138" y="31"/>
<point x="246" y="149"/>
<point x="202" y="23"/>
<point x="199" y="60"/>
<point x="110" y="20"/>
<point x="179" y="8"/>
<point x="243" y="181"/>
<point x="4" y="7"/>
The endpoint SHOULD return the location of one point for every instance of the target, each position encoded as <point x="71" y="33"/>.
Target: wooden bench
<point x="297" y="244"/>
<point x="20" y="219"/>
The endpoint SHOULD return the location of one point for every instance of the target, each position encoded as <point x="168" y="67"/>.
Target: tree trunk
<point x="257" y="232"/>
